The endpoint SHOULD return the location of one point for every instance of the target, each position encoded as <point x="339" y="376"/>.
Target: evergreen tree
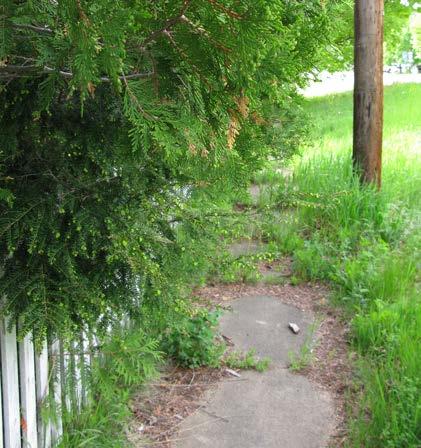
<point x="108" y="110"/>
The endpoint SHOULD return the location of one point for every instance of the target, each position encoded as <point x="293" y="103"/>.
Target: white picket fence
<point x="36" y="388"/>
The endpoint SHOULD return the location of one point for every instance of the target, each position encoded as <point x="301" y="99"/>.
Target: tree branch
<point x="136" y="102"/>
<point x="167" y="25"/>
<point x="153" y="36"/>
<point x="186" y="57"/>
<point x="37" y="29"/>
<point x="26" y="70"/>
<point x="227" y="11"/>
<point x="200" y="30"/>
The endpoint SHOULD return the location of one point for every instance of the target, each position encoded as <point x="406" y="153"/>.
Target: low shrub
<point x="192" y="341"/>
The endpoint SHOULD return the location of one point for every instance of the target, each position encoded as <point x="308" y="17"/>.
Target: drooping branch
<point x="36" y="28"/>
<point x="16" y="71"/>
<point x="167" y="25"/>
<point x="197" y="29"/>
<point x="136" y="102"/>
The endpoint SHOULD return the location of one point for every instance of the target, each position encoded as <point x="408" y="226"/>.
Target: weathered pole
<point x="368" y="90"/>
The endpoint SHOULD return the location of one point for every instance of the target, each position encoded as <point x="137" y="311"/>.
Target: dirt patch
<point x="159" y="410"/>
<point x="307" y="297"/>
<point x="331" y="368"/>
<point x="281" y="268"/>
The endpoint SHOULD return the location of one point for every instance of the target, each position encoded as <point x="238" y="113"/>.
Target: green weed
<point x="302" y="359"/>
<point x="366" y="244"/>
<point x="247" y="361"/>
<point x="128" y="360"/>
<point x="191" y="342"/>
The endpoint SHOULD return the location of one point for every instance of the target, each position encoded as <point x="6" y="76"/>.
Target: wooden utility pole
<point x="368" y="90"/>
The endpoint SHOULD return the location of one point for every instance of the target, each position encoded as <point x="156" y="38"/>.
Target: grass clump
<point x="127" y="361"/>
<point x="302" y="359"/>
<point x="366" y="244"/>
<point x="247" y="361"/>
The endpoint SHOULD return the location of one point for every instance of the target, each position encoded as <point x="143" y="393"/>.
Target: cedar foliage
<point x="109" y="111"/>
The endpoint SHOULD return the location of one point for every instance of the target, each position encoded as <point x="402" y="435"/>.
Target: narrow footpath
<point x="273" y="409"/>
<point x="298" y="402"/>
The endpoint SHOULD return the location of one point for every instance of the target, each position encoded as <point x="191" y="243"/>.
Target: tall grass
<point x="366" y="243"/>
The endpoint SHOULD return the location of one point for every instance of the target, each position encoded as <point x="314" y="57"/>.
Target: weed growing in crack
<point x="247" y="360"/>
<point x="302" y="359"/>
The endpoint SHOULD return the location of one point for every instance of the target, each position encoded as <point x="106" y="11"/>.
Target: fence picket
<point x="10" y="383"/>
<point x="1" y="414"/>
<point x="27" y="393"/>
<point x="37" y="388"/>
<point x="78" y="359"/>
<point x="66" y="380"/>
<point x="85" y="349"/>
<point x="57" y="425"/>
<point x="42" y="391"/>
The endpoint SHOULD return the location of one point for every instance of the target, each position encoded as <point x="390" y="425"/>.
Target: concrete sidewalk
<point x="274" y="409"/>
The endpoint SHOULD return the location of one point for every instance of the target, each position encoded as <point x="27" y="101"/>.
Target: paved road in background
<point x="344" y="82"/>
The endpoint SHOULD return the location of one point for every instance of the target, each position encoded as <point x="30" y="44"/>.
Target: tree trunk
<point x="368" y="90"/>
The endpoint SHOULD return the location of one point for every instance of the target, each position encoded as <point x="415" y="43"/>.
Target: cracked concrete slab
<point x="261" y="323"/>
<point x="273" y="409"/>
<point x="254" y="191"/>
<point x="246" y="248"/>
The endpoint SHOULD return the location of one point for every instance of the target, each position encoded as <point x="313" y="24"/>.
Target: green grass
<point x="302" y="359"/>
<point x="246" y="361"/>
<point x="129" y="359"/>
<point x="366" y="244"/>
<point x="331" y="118"/>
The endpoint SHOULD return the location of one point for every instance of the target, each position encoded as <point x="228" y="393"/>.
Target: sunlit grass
<point x="331" y="118"/>
<point x="367" y="245"/>
<point x="373" y="242"/>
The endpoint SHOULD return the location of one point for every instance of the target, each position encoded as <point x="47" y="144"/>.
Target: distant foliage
<point x="415" y="28"/>
<point x="339" y="52"/>
<point x="112" y="113"/>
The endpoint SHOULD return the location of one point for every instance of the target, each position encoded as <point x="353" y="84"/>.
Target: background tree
<point x="338" y="51"/>
<point x="415" y="27"/>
